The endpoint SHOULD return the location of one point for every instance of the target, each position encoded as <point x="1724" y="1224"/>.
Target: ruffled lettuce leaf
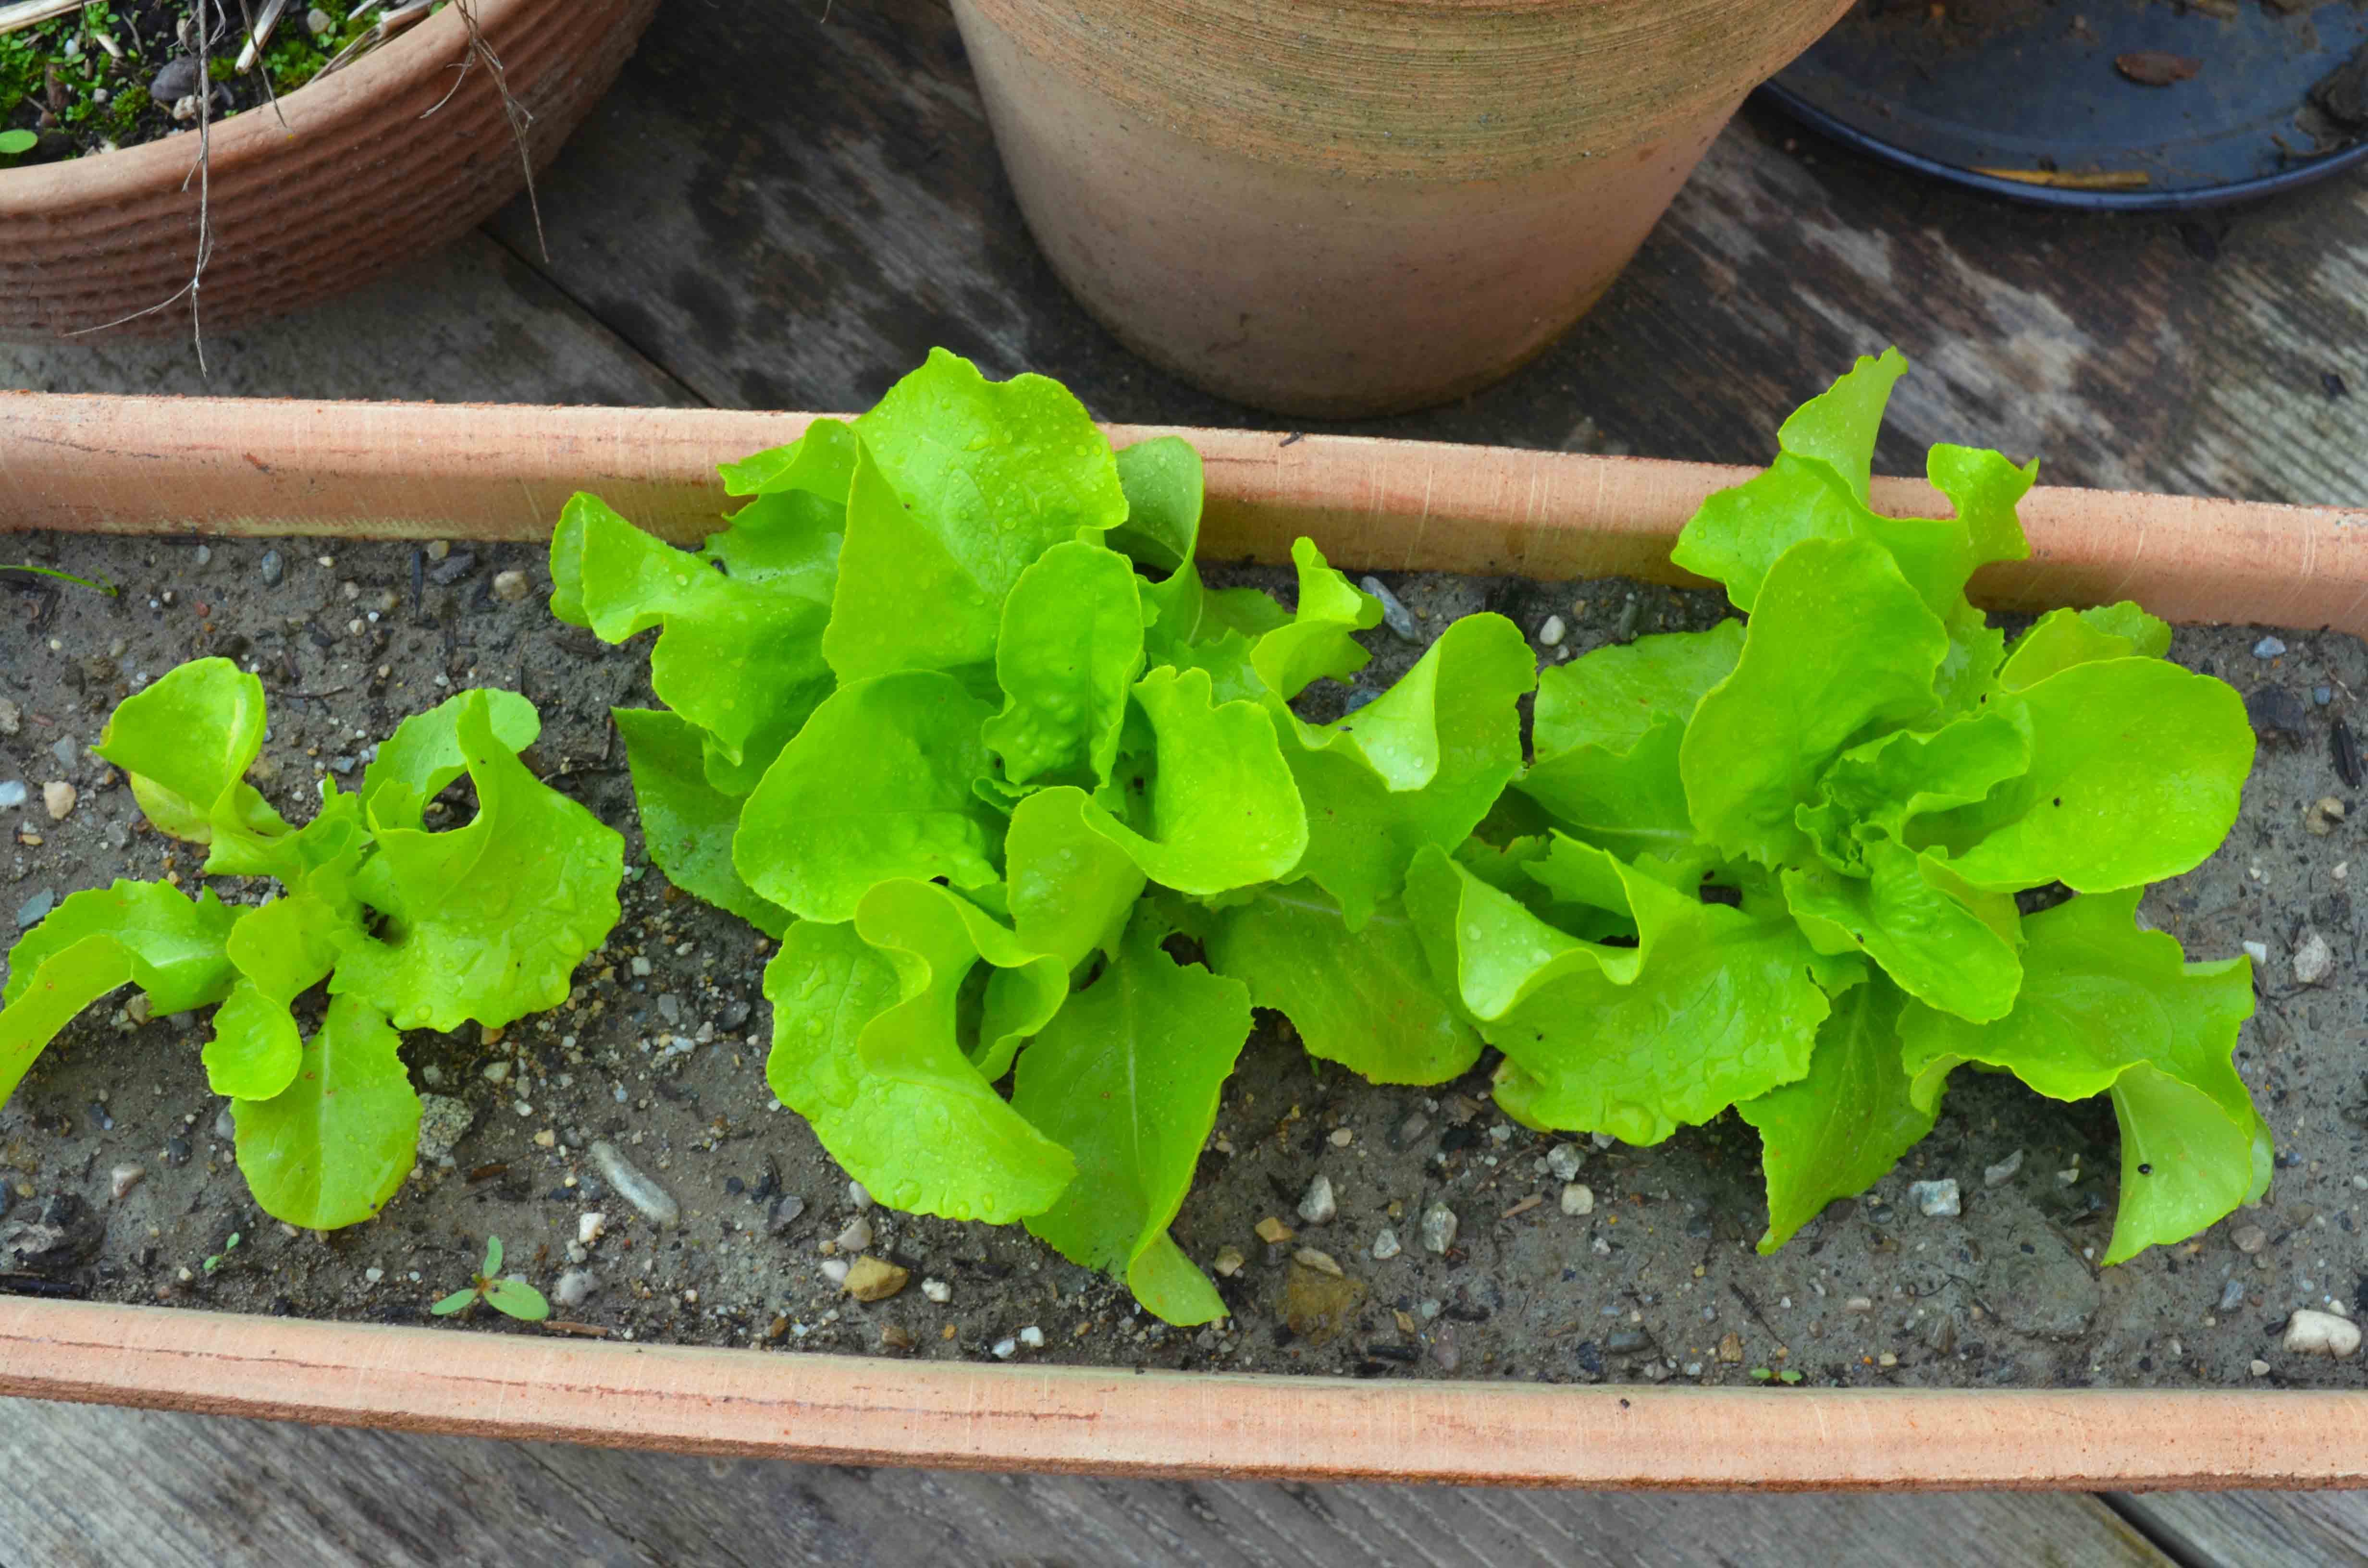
<point x="186" y="743"/>
<point x="1365" y="997"/>
<point x="867" y="1046"/>
<point x="686" y="821"/>
<point x="1127" y="1077"/>
<point x="486" y="922"/>
<point x="878" y="785"/>
<point x="334" y="1146"/>
<point x="1695" y="1006"/>
<point x="1067" y="659"/>
<point x="1071" y="888"/>
<point x="2109" y="1008"/>
<point x="1319" y="642"/>
<point x="960" y="483"/>
<point x="1420" y="764"/>
<point x="1838" y="1131"/>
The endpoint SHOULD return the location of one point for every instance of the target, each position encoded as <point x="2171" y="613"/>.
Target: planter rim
<point x="876" y="1410"/>
<point x="149" y="465"/>
<point x="255" y="134"/>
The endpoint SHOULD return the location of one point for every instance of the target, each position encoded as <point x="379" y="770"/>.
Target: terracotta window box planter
<point x="134" y="465"/>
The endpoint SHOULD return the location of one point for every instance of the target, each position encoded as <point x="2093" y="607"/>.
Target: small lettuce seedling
<point x="512" y="1298"/>
<point x="410" y="929"/>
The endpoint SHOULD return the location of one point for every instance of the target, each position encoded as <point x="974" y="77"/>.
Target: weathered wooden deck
<point x="776" y="209"/>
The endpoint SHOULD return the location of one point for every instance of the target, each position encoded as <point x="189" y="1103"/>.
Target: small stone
<point x="2323" y="816"/>
<point x="2277" y="712"/>
<point x="2249" y="1239"/>
<point x="178" y="79"/>
<point x="1563" y="1160"/>
<point x="2232" y="1295"/>
<point x="1322" y="1262"/>
<point x="275" y="571"/>
<point x="1859" y="1304"/>
<point x="58" y="798"/>
<point x="1551" y="633"/>
<point x="36" y="909"/>
<point x="317" y="22"/>
<point x="139" y="1009"/>
<point x="1935" y="1199"/>
<point x="2322" y="695"/>
<point x="2259" y="1368"/>
<point x="590" y="1228"/>
<point x="1004" y="1349"/>
<point x="225" y="1125"/>
<point x="1578" y="1200"/>
<point x="2268" y="648"/>
<point x="1394" y="616"/>
<point x="1319" y="1304"/>
<point x="1033" y="1338"/>
<point x="1229" y="1261"/>
<point x="512" y="586"/>
<point x="437" y="548"/>
<point x="12" y="717"/>
<point x="2310" y="1332"/>
<point x="835" y="1269"/>
<point x="574" y="1287"/>
<point x="2003" y="1172"/>
<point x="653" y="1203"/>
<point x="1273" y="1232"/>
<point x="1439" y="1227"/>
<point x="857" y="1237"/>
<point x="2258" y="952"/>
<point x="451" y="569"/>
<point x="12" y="794"/>
<point x="858" y="1197"/>
<point x="443" y="1122"/>
<point x="2313" y="960"/>
<point x="1410" y="1132"/>
<point x="1730" y="1349"/>
<point x="1318" y="1206"/>
<point x="1342" y="1137"/>
<point x="937" y="1290"/>
<point x="1386" y="1244"/>
<point x="785" y="1213"/>
<point x="123" y="1179"/>
<point x="875" y="1279"/>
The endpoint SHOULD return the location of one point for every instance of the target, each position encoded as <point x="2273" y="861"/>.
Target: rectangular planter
<point x="162" y="465"/>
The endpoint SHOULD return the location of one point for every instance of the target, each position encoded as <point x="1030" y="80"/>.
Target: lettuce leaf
<point x="1127" y="1076"/>
<point x="686" y="821"/>
<point x="334" y="1146"/>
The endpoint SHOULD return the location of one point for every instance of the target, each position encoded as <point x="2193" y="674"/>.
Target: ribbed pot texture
<point x="1351" y="207"/>
<point x="361" y="179"/>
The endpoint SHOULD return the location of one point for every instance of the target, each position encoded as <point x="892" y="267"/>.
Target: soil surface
<point x="658" y="1056"/>
<point x="119" y="73"/>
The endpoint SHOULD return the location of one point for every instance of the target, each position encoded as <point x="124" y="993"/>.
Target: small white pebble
<point x="2003" y="1172"/>
<point x="641" y="967"/>
<point x="1319" y="1205"/>
<point x="1578" y="1200"/>
<point x="590" y="1228"/>
<point x="123" y="1179"/>
<point x="1386" y="1244"/>
<point x="2314" y="959"/>
<point x="1004" y="1349"/>
<point x="857" y="1237"/>
<point x="58" y="796"/>
<point x="2258" y="952"/>
<point x="1936" y="1200"/>
<point x="1563" y="1160"/>
<point x="937" y="1290"/>
<point x="1033" y="1338"/>
<point x="1551" y="633"/>
<point x="835" y="1270"/>
<point x="2312" y="1333"/>
<point x="372" y="1276"/>
<point x="511" y="586"/>
<point x="857" y="1196"/>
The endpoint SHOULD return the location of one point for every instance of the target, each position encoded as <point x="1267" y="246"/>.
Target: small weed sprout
<point x="512" y="1298"/>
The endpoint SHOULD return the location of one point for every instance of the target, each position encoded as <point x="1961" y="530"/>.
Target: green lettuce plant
<point x="410" y="929"/>
<point x="1780" y="859"/>
<point x="951" y="714"/>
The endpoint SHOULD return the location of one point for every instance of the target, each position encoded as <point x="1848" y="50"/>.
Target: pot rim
<point x="1116" y="1421"/>
<point x="256" y="136"/>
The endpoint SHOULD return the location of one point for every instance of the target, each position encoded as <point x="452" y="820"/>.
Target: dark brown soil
<point x="660" y="1053"/>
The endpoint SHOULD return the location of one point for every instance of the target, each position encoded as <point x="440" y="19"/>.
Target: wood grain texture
<point x="470" y="324"/>
<point x="2259" y="1529"/>
<point x="791" y="216"/>
<point x="189" y="1491"/>
<point x="991" y="1416"/>
<point x="423" y="471"/>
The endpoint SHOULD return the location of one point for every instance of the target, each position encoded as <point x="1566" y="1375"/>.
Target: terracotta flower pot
<point x="361" y="178"/>
<point x="252" y="466"/>
<point x="1348" y="207"/>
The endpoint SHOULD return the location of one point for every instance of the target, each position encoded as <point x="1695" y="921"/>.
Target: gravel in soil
<point x="627" y="1152"/>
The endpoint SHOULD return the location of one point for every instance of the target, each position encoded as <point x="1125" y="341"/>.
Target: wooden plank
<point x="993" y="1416"/>
<point x="467" y="325"/>
<point x="89" y="1486"/>
<point x="407" y="470"/>
<point x="789" y="216"/>
<point x="2254" y="1530"/>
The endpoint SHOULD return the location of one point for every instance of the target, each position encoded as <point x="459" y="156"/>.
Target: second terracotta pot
<point x="1352" y="207"/>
